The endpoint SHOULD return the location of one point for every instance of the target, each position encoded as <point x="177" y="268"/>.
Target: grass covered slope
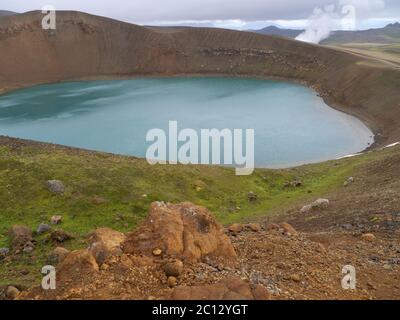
<point x="104" y="190"/>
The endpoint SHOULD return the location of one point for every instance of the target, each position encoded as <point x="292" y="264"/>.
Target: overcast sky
<point x="239" y="14"/>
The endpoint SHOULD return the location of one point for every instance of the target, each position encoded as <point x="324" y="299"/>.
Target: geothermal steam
<point x="324" y="21"/>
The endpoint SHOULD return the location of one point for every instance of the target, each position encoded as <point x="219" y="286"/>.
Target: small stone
<point x="57" y="256"/>
<point x="236" y="228"/>
<point x="306" y="209"/>
<point x="60" y="236"/>
<point x="29" y="247"/>
<point x="319" y="204"/>
<point x="157" y="252"/>
<point x="172" y="282"/>
<point x="3" y="253"/>
<point x="174" y="268"/>
<point x="369" y="237"/>
<point x="288" y="229"/>
<point x="104" y="267"/>
<point x="42" y="228"/>
<point x="296" y="278"/>
<point x="255" y="227"/>
<point x="296" y="183"/>
<point x="12" y="292"/>
<point x="349" y="181"/>
<point x="55" y="186"/>
<point x="252" y="196"/>
<point x="56" y="219"/>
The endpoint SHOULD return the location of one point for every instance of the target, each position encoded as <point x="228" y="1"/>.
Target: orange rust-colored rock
<point x="79" y="263"/>
<point x="236" y="228"/>
<point x="183" y="231"/>
<point x="288" y="229"/>
<point x="104" y="242"/>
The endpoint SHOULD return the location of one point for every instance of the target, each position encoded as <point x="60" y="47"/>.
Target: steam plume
<point x="324" y="21"/>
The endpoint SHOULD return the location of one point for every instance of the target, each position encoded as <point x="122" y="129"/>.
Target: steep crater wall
<point x="91" y="47"/>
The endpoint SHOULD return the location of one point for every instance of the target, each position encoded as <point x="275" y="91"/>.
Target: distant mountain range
<point x="275" y="31"/>
<point x="388" y="34"/>
<point x="6" y="13"/>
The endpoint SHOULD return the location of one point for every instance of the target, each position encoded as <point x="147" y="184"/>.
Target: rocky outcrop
<point x="104" y="242"/>
<point x="317" y="205"/>
<point x="57" y="256"/>
<point x="77" y="263"/>
<point x="183" y="231"/>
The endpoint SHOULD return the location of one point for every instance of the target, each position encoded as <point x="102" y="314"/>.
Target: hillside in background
<point x="4" y="13"/>
<point x="275" y="31"/>
<point x="386" y="35"/>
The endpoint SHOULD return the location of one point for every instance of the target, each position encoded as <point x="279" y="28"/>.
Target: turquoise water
<point x="292" y="124"/>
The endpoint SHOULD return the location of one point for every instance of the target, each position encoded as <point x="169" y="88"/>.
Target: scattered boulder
<point x="306" y="209"/>
<point x="55" y="186"/>
<point x="173" y="268"/>
<point x="183" y="231"/>
<point x="349" y="181"/>
<point x="288" y="229"/>
<point x="252" y="196"/>
<point x="20" y="236"/>
<point x="236" y="228"/>
<point x="105" y="242"/>
<point x="12" y="292"/>
<point x="255" y="227"/>
<point x="228" y="289"/>
<point x="172" y="282"/>
<point x="295" y="184"/>
<point x="60" y="236"/>
<point x="319" y="204"/>
<point x="369" y="237"/>
<point x="28" y="248"/>
<point x="57" y="256"/>
<point x="80" y="263"/>
<point x="156" y="252"/>
<point x="56" y="219"/>
<point x="3" y="253"/>
<point x="43" y="228"/>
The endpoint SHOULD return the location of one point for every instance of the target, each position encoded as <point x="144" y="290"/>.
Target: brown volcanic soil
<point x="87" y="47"/>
